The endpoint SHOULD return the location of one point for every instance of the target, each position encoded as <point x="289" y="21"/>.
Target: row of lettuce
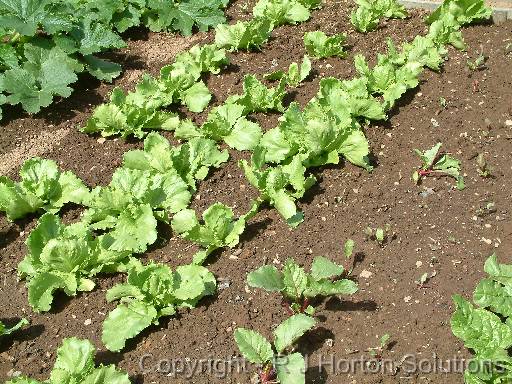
<point x="68" y="37"/>
<point x="156" y="184"/>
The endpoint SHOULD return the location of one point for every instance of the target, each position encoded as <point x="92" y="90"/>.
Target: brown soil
<point x="439" y="233"/>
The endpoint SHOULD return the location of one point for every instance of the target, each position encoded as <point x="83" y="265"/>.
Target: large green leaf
<point x="290" y="330"/>
<point x="253" y="346"/>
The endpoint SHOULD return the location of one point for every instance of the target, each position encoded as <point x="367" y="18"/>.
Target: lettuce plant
<point x="151" y="292"/>
<point x="296" y="74"/>
<point x="219" y="228"/>
<point x="320" y="46"/>
<point x="258" y="98"/>
<point x="280" y="12"/>
<point x="285" y="367"/>
<point x="434" y="163"/>
<point x="226" y="122"/>
<point x="279" y="186"/>
<point x="65" y="258"/>
<point x="247" y="35"/>
<point x="299" y="287"/>
<point x="75" y="364"/>
<point x="4" y="331"/>
<point x="191" y="161"/>
<point x="141" y="110"/>
<point x="485" y="329"/>
<point x="42" y="186"/>
<point x="369" y="12"/>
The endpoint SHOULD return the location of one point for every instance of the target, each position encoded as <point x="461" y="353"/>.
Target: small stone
<point x="329" y="342"/>
<point x="101" y="140"/>
<point x="365" y="274"/>
<point x="486" y="241"/>
<point x="434" y="122"/>
<point x="508" y="123"/>
<point x="427" y="192"/>
<point x="88" y="322"/>
<point x="419" y="264"/>
<point x="407" y="299"/>
<point x="224" y="284"/>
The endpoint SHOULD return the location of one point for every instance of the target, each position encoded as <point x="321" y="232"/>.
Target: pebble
<point x="88" y="322"/>
<point x="329" y="342"/>
<point x="365" y="274"/>
<point x="407" y="299"/>
<point x="508" y="123"/>
<point x="101" y="140"/>
<point x="224" y="284"/>
<point x="427" y="192"/>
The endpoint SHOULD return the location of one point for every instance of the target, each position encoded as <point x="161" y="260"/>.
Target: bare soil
<point x="434" y="228"/>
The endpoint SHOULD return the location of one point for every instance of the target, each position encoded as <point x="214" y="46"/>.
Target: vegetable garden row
<point x="155" y="185"/>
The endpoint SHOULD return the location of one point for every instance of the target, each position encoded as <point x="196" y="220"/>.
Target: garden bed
<point x="434" y="228"/>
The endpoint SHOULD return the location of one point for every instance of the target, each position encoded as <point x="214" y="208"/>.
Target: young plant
<point x="280" y="12"/>
<point x="4" y="331"/>
<point x="219" y="228"/>
<point x="296" y="74"/>
<point x="75" y="364"/>
<point x="247" y="35"/>
<point x="485" y="329"/>
<point x="348" y="248"/>
<point x="367" y="16"/>
<point x="285" y="367"/>
<point x="381" y="235"/>
<point x="42" y="186"/>
<point x="435" y="163"/>
<point x="298" y="287"/>
<point x="280" y="185"/>
<point x="484" y="170"/>
<point x="477" y="64"/>
<point x="320" y="46"/>
<point x="65" y="258"/>
<point x="151" y="292"/>
<point x="376" y="352"/>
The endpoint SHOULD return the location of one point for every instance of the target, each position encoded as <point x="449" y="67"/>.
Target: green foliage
<point x="184" y="15"/>
<point x="151" y="292"/>
<point x="296" y="74"/>
<point x="485" y="329"/>
<point x="288" y="368"/>
<point x="369" y="12"/>
<point x="298" y="287"/>
<point x="141" y="110"/>
<point x="434" y="163"/>
<point x="280" y="12"/>
<point x="219" y="228"/>
<point x="65" y="258"/>
<point x="4" y="331"/>
<point x="463" y="11"/>
<point x="75" y="364"/>
<point x="319" y="45"/>
<point x="281" y="185"/>
<point x="42" y="186"/>
<point x="244" y="35"/>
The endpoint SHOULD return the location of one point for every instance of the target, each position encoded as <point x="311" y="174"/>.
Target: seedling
<point x="442" y="102"/>
<point x="489" y="208"/>
<point x="296" y="73"/>
<point x="75" y="364"/>
<point x="380" y="235"/>
<point x="376" y="352"/>
<point x="423" y="280"/>
<point x="7" y="331"/>
<point x="478" y="64"/>
<point x="298" y="287"/>
<point x="348" y="248"/>
<point x="435" y="163"/>
<point x="285" y="367"/>
<point x="483" y="168"/>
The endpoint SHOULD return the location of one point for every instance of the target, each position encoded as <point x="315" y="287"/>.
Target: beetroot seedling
<point x="298" y="288"/>
<point x="277" y="364"/>
<point x="483" y="167"/>
<point x="438" y="164"/>
<point x="377" y="352"/>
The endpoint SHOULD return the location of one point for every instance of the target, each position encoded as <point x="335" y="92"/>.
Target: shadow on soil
<point x="28" y="333"/>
